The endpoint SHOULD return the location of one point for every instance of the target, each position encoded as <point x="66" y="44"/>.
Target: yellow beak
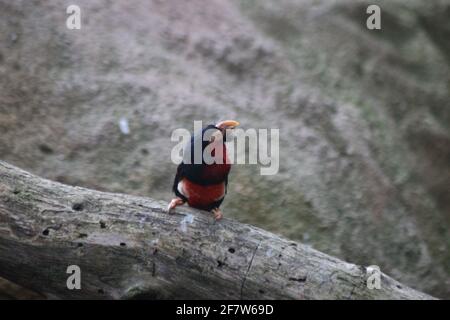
<point x="227" y="124"/>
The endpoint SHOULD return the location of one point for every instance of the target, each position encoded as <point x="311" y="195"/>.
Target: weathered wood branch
<point x="130" y="247"/>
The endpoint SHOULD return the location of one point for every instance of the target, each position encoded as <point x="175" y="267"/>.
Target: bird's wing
<point x="178" y="177"/>
<point x="189" y="171"/>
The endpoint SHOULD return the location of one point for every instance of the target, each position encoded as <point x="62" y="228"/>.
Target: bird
<point x="203" y="185"/>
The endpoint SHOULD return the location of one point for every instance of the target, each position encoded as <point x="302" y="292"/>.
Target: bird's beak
<point x="227" y="124"/>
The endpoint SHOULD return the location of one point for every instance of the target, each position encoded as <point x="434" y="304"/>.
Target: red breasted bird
<point x="203" y="185"/>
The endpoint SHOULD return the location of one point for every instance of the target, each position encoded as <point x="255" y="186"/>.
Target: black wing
<point x="188" y="169"/>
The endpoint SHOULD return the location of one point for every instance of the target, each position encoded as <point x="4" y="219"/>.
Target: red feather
<point x="202" y="196"/>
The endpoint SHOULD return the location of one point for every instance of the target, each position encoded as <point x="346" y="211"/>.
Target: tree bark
<point x="130" y="247"/>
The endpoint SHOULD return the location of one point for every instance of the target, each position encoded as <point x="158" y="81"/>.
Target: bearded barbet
<point x="203" y="185"/>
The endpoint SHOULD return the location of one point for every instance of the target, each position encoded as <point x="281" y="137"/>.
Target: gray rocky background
<point x="364" y="115"/>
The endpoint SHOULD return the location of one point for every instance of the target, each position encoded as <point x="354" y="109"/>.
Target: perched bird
<point x="203" y="185"/>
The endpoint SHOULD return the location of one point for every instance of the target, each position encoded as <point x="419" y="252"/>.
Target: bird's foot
<point x="217" y="213"/>
<point x="174" y="203"/>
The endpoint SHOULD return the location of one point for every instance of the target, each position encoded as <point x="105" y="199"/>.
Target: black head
<point x="211" y="133"/>
<point x="222" y="127"/>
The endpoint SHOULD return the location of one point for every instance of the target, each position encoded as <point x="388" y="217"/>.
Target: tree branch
<point x="130" y="247"/>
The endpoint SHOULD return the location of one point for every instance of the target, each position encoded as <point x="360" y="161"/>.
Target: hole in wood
<point x="78" y="206"/>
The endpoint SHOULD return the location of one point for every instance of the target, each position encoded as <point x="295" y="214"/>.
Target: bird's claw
<point x="217" y="213"/>
<point x="174" y="203"/>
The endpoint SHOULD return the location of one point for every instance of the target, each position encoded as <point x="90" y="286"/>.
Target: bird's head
<point x="212" y="134"/>
<point x="222" y="128"/>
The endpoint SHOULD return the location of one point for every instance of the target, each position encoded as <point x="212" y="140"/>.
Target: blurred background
<point x="364" y="115"/>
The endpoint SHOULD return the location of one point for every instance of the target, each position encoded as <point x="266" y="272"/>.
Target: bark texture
<point x="130" y="247"/>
